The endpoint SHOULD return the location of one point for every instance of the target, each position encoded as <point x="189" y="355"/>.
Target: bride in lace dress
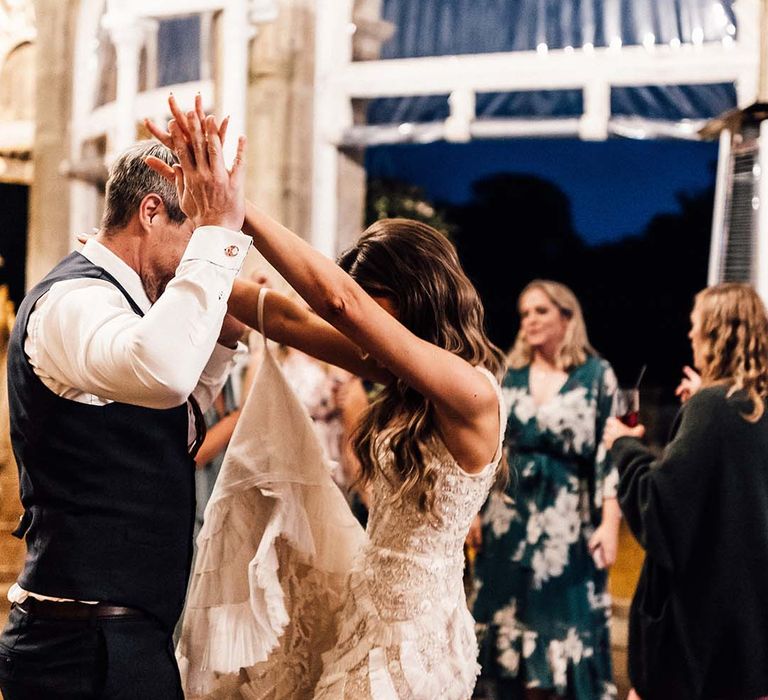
<point x="395" y="624"/>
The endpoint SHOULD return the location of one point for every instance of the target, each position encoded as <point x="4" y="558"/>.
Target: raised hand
<point x="164" y="137"/>
<point x="689" y="384"/>
<point x="209" y="193"/>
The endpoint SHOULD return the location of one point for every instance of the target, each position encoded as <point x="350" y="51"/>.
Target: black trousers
<point x="108" y="658"/>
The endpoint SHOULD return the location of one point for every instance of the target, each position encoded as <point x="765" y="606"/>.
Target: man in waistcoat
<point x="114" y="356"/>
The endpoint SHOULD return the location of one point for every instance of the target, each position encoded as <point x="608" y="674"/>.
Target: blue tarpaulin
<point x="455" y="27"/>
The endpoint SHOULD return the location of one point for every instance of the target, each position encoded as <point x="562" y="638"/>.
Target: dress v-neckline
<point x="559" y="392"/>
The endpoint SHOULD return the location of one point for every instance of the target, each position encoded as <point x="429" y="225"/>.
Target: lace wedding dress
<point x="291" y="600"/>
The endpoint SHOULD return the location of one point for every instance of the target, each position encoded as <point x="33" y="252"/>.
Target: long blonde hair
<point x="734" y="333"/>
<point x="416" y="267"/>
<point x="575" y="348"/>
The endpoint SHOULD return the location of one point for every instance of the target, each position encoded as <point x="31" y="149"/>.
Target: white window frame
<point x="339" y="80"/>
<point x="128" y="21"/>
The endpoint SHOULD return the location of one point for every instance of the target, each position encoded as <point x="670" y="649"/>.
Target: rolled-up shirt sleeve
<point x="88" y="338"/>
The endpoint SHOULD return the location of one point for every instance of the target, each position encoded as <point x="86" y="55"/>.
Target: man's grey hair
<point x="131" y="179"/>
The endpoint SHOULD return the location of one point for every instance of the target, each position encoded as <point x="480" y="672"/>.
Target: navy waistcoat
<point x="108" y="491"/>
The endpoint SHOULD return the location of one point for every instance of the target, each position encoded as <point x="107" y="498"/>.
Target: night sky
<point x="615" y="187"/>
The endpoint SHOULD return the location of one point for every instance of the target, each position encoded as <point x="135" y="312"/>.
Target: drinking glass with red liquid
<point x="628" y="406"/>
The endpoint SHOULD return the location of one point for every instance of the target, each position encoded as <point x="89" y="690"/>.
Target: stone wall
<point x="280" y="97"/>
<point x="49" y="237"/>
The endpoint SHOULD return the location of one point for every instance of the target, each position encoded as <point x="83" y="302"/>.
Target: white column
<point x="717" y="243"/>
<point x="760" y="270"/>
<point x="748" y="18"/>
<point x="151" y="27"/>
<point x="593" y="125"/>
<point x="762" y="88"/>
<point x="458" y="126"/>
<point x="127" y="33"/>
<point x="333" y="114"/>
<point x="235" y="32"/>
<point x="83" y="197"/>
<point x="612" y="23"/>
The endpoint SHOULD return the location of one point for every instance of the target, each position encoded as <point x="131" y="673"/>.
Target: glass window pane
<point x="178" y="50"/>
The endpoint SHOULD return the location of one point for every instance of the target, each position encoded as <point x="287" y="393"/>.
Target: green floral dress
<point x="542" y="608"/>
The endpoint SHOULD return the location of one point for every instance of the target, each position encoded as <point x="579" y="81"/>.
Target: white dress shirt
<point x="86" y="344"/>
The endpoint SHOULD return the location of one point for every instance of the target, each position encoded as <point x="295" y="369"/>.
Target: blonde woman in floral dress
<point x="542" y="607"/>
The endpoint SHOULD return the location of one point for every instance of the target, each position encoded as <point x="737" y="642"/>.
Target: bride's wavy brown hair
<point x="734" y="333"/>
<point x="416" y="267"/>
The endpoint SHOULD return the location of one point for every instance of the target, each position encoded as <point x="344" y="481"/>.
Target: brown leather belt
<point x="73" y="610"/>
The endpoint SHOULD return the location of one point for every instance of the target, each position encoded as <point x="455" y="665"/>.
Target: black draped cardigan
<point x="699" y="618"/>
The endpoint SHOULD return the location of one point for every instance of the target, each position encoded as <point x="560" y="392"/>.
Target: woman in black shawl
<point x="699" y="618"/>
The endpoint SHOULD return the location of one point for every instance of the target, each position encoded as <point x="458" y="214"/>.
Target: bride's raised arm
<point x="465" y="402"/>
<point x="290" y="323"/>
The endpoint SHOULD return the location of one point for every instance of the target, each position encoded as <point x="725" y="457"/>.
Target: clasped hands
<point x="209" y="192"/>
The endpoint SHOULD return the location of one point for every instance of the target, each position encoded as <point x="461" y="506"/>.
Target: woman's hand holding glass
<point x="615" y="429"/>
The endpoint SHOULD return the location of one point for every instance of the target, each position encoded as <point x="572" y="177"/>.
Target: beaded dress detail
<point x="404" y="630"/>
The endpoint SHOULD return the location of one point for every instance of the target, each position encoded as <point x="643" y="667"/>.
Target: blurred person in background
<point x="324" y="390"/>
<point x="334" y="399"/>
<point x="220" y="419"/>
<point x="698" y="625"/>
<point x="541" y="569"/>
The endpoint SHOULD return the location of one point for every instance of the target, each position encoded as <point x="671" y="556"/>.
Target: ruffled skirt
<point x="273" y="612"/>
<point x="430" y="656"/>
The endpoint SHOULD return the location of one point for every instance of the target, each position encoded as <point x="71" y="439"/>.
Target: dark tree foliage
<point x="387" y="199"/>
<point x="640" y="292"/>
<point x="636" y="293"/>
<point x="515" y="229"/>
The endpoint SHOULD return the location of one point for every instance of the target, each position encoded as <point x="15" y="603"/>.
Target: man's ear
<point x="150" y="208"/>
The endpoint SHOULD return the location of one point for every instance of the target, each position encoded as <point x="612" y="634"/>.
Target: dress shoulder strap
<point x="260" y="312"/>
<point x="267" y="352"/>
<point x="502" y="409"/>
